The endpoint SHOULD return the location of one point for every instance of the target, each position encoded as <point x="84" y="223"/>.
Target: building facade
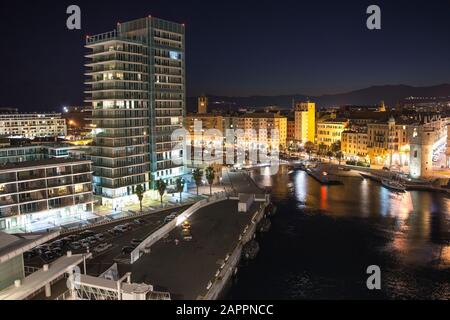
<point x="46" y="190"/>
<point x="354" y="144"/>
<point x="330" y="131"/>
<point x="32" y="125"/>
<point x="305" y="122"/>
<point x="137" y="91"/>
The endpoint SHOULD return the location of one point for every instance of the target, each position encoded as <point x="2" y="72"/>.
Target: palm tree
<point x="210" y="176"/>
<point x="161" y="186"/>
<point x="197" y="174"/>
<point x="309" y="147"/>
<point x="140" y="194"/>
<point x="179" y="186"/>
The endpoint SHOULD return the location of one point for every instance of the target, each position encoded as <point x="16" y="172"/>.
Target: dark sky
<point x="242" y="47"/>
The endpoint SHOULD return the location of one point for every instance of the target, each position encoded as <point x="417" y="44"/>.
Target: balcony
<point x="32" y="185"/>
<point x="31" y="175"/>
<point x="7" y="177"/>
<point x="33" y="207"/>
<point x="9" y="211"/>
<point x="59" y="171"/>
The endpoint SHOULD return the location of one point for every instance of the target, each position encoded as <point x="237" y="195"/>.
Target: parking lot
<point x="106" y="242"/>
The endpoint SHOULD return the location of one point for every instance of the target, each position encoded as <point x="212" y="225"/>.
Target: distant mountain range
<point x="390" y="94"/>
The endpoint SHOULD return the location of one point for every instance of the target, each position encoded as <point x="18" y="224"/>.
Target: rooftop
<point x="14" y="245"/>
<point x="41" y="163"/>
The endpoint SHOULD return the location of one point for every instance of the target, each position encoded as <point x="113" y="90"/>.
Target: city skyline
<point x="236" y="41"/>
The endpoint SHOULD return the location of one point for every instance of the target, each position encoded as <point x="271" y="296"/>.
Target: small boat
<point x="393" y="185"/>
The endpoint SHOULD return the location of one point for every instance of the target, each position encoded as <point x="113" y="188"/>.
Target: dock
<point x="324" y="177"/>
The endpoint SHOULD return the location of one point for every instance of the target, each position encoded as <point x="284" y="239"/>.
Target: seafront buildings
<point x="136" y="87"/>
<point x="329" y="131"/>
<point x="31" y="125"/>
<point x="41" y="194"/>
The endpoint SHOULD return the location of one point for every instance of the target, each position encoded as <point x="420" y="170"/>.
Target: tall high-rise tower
<point x="305" y="121"/>
<point x="137" y="89"/>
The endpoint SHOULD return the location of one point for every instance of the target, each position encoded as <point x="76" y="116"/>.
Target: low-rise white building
<point x="31" y="125"/>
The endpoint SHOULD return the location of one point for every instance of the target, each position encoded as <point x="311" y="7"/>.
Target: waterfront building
<point x="42" y="194"/>
<point x="388" y="142"/>
<point x="354" y="144"/>
<point x="290" y="136"/>
<point x="330" y="131"/>
<point x="32" y="125"/>
<point x="305" y="122"/>
<point x="36" y="152"/>
<point x="202" y="105"/>
<point x="266" y="121"/>
<point x="137" y="91"/>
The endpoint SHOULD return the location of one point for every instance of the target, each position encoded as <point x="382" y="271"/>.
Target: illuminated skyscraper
<point x="137" y="90"/>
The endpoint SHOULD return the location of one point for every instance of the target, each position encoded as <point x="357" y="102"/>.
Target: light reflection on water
<point x="350" y="226"/>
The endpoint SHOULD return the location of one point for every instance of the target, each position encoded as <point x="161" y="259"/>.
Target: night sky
<point x="234" y="48"/>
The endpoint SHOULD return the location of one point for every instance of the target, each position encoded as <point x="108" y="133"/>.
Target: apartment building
<point x="32" y="125"/>
<point x="268" y="121"/>
<point x="137" y="91"/>
<point x="44" y="192"/>
<point x="388" y="143"/>
<point x="305" y="121"/>
<point x="15" y="154"/>
<point x="330" y="131"/>
<point x="354" y="144"/>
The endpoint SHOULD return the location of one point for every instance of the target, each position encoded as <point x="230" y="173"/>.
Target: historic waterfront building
<point x="136" y="87"/>
<point x="330" y="131"/>
<point x="305" y="122"/>
<point x="32" y="125"/>
<point x="354" y="144"/>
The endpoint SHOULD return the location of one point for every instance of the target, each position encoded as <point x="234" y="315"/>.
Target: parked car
<point x="136" y="242"/>
<point x="170" y="217"/>
<point x="87" y="233"/>
<point x="102" y="247"/>
<point x="42" y="248"/>
<point x="127" y="250"/>
<point x="85" y="244"/>
<point x="115" y="232"/>
<point x="100" y="236"/>
<point x="75" y="245"/>
<point x="57" y="251"/>
<point x="92" y="240"/>
<point x="56" y="244"/>
<point x="48" y="255"/>
<point x="139" y="221"/>
<point x="29" y="255"/>
<point x="121" y="228"/>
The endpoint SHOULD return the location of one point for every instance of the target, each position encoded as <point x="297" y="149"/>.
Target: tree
<point x="309" y="147"/>
<point x="179" y="186"/>
<point x="140" y="194"/>
<point x="161" y="186"/>
<point x="335" y="147"/>
<point x="210" y="176"/>
<point x="197" y="174"/>
<point x="322" y="149"/>
<point x="339" y="156"/>
<point x="329" y="155"/>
